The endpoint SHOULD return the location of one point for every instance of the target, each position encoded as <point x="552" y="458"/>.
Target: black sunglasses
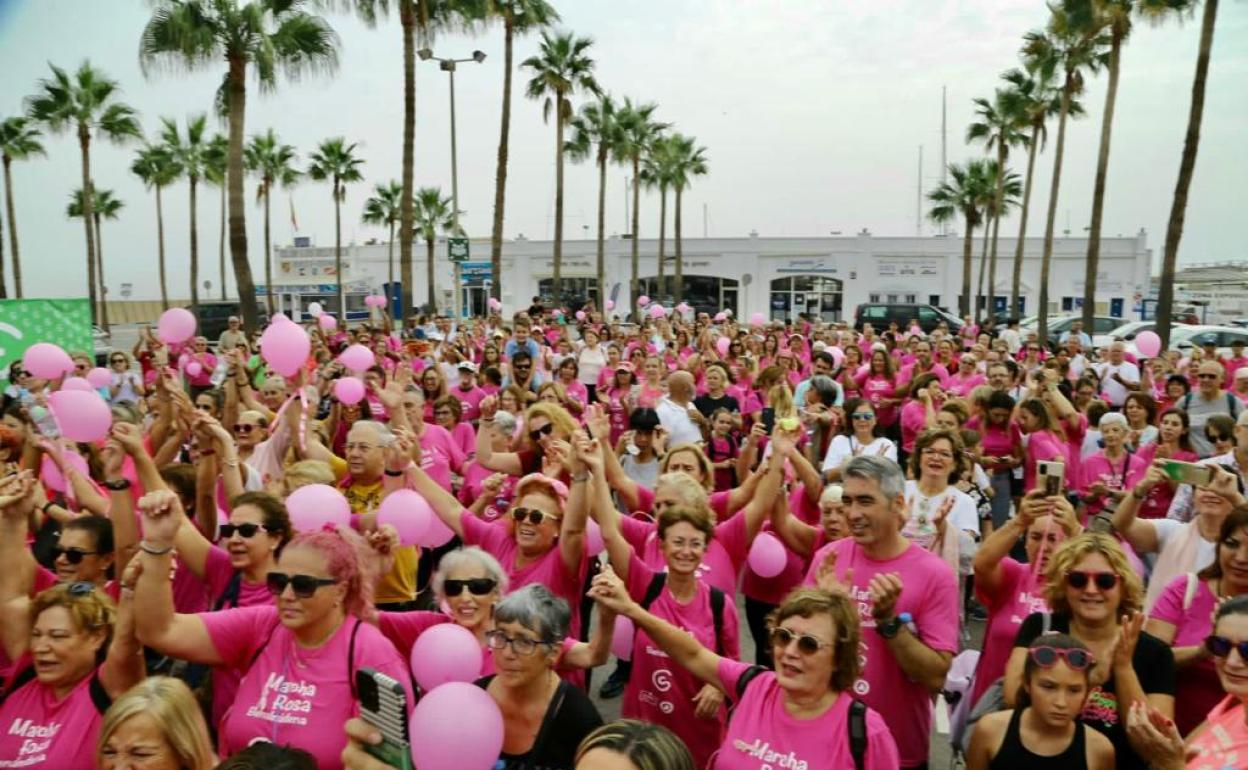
<point x="248" y="530"/>
<point x="806" y="644"/>
<point x="537" y="433"/>
<point x="72" y="555"/>
<point x="1220" y="647"/>
<point x="477" y="586"/>
<point x="1079" y="580"/>
<point x="534" y="516"/>
<point x="303" y="585"/>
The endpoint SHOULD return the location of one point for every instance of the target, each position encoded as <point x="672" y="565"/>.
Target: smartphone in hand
<point x="383" y="704"/>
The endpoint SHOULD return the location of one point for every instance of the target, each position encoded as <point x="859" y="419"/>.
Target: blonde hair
<point x="699" y="517"/>
<point x="691" y="493"/>
<point x="311" y="472"/>
<point x="1074" y="550"/>
<point x="704" y="464"/>
<point x="90" y="608"/>
<point x="646" y="745"/>
<point x="557" y="415"/>
<point x="170" y="704"/>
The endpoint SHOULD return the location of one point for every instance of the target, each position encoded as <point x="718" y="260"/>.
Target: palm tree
<point x="189" y="154"/>
<point x="560" y="70"/>
<point x="1187" y="164"/>
<point x="216" y="168"/>
<point x="85" y="102"/>
<point x="19" y="140"/>
<point x="335" y="161"/>
<point x="103" y="205"/>
<point x="637" y="130"/>
<point x="1010" y="187"/>
<point x="1074" y="49"/>
<point x="519" y="17"/>
<point x="157" y="167"/>
<point x="273" y="162"/>
<point x="962" y="196"/>
<point x="433" y="214"/>
<point x="596" y="127"/>
<point x="385" y="208"/>
<point x="263" y="34"/>
<point x="656" y="172"/>
<point x="688" y="161"/>
<point x="999" y="127"/>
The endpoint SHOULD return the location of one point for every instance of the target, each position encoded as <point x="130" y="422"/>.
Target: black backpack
<point x="856" y="724"/>
<point x="717" y="606"/>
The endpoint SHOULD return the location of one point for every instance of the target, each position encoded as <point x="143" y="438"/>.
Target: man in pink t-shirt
<point x="907" y="601"/>
<point x="467" y="391"/>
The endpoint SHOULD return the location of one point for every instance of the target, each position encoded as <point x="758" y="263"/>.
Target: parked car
<point x="1126" y="333"/>
<point x="1185" y="338"/>
<point x="102" y="344"/>
<point x="881" y="314"/>
<point x="1059" y="325"/>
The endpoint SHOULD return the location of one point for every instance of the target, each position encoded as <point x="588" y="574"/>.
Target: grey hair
<point x="881" y="470"/>
<point x="826" y="389"/>
<point x="466" y="556"/>
<point x="385" y="437"/>
<point x="1113" y="418"/>
<point x="505" y="421"/>
<point x="832" y="493"/>
<point x="534" y="607"/>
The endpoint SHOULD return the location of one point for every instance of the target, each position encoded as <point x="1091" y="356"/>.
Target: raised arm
<point x="1140" y="533"/>
<point x="16" y="501"/>
<point x="798" y="536"/>
<point x="576" y="512"/>
<point x="503" y="462"/>
<point x="124" y="667"/>
<point x="599" y="425"/>
<point x="619" y="552"/>
<point x="443" y="503"/>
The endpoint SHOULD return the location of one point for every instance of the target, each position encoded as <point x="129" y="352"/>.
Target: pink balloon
<point x="610" y="305"/>
<point x="445" y="653"/>
<point x="194" y="368"/>
<point x="722" y="345"/>
<point x="99" y="377"/>
<point x="758" y="319"/>
<point x="580" y="315"/>
<point x="657" y="311"/>
<point x="280" y="317"/>
<point x="622" y="638"/>
<point x="456" y="727"/>
<point x="315" y="505"/>
<point x="46" y="361"/>
<point x="767" y="555"/>
<point x="494" y="303"/>
<point x="177" y="324"/>
<point x="643" y="300"/>
<point x="77" y="383"/>
<point x="720" y="318"/>
<point x="357" y="358"/>
<point x="593" y="538"/>
<point x="407" y="512"/>
<point x="51" y="475"/>
<point x="80" y="415"/>
<point x="838" y="356"/>
<point x="327" y="322"/>
<point x="437" y="534"/>
<point x="1148" y="343"/>
<point x="285" y="347"/>
<point x="349" y="390"/>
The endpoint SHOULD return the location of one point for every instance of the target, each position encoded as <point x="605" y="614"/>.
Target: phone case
<point x="383" y="704"/>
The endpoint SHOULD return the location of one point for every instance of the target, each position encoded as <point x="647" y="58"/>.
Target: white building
<point x="779" y="277"/>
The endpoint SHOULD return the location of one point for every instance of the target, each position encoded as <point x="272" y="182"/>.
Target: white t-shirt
<point x="843" y="448"/>
<point x="1111" y="387"/>
<point x="589" y="362"/>
<point x="1168" y="529"/>
<point x="681" y="429"/>
<point x="963" y="514"/>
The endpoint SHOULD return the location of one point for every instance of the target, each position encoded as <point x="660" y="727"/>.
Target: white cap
<point x="467" y="366"/>
<point x="1241" y="372"/>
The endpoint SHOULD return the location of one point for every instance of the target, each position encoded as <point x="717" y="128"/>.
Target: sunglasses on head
<point x="476" y="586"/>
<point x="1220" y="647"/>
<point x="72" y="555"/>
<point x="537" y="433"/>
<point x="806" y="644"/>
<point x="303" y="585"/>
<point x="1079" y="579"/>
<point x="1047" y="657"/>
<point x="248" y="530"/>
<point x="534" y="516"/>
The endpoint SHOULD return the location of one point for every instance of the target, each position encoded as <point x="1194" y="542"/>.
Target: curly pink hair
<point x="349" y="560"/>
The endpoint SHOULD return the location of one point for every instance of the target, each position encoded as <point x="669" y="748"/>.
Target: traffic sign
<point x="457" y="249"/>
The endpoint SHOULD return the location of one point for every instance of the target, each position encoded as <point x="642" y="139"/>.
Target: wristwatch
<point x="118" y="485"/>
<point x="888" y="628"/>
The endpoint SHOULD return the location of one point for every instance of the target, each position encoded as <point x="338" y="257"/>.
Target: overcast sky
<point x="812" y="114"/>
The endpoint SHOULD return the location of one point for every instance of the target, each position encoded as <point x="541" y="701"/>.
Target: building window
<point x="911" y="299"/>
<point x="704" y="293"/>
<point x="933" y="300"/>
<point x="815" y="296"/>
<point x="873" y="298"/>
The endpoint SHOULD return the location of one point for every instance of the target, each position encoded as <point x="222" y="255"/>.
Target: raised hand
<point x="826" y="579"/>
<point x="1128" y="637"/>
<point x="885" y="589"/>
<point x="162" y="516"/>
<point x="597" y="421"/>
<point x="488" y="407"/>
<point x="609" y="591"/>
<point x="128" y="437"/>
<point x="113" y="456"/>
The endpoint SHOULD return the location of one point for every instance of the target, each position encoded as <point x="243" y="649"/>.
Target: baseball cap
<point x="467" y="366"/>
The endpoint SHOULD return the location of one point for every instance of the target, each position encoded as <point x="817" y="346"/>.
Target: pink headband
<point x="555" y="485"/>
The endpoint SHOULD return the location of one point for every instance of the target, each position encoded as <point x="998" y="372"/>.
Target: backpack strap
<point x="717" y="614"/>
<point x="857" y="726"/>
<point x="1189" y="592"/>
<point x="1187" y="401"/>
<point x="99" y="696"/>
<point x="22" y="677"/>
<point x="1046" y="623"/>
<point x="229" y="596"/>
<point x="1230" y="404"/>
<point x="744" y="680"/>
<point x="653" y="590"/>
<point x="355" y="631"/>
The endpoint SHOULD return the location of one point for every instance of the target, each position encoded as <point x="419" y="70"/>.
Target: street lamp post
<point x="448" y="66"/>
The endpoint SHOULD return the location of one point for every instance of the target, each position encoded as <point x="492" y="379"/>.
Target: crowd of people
<point x="1050" y="542"/>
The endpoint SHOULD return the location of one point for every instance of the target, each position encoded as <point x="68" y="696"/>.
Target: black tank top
<point x="1013" y="755"/>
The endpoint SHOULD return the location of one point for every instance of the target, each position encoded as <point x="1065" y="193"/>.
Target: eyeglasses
<point x="534" y="516"/>
<point x="248" y="530"/>
<point x="806" y="644"/>
<point x="863" y="416"/>
<point x="359" y="447"/>
<point x="1220" y="647"/>
<point x="537" y="433"/>
<point x="303" y="585"/>
<point x="1215" y="437"/>
<point x="118" y="360"/>
<point x="242" y="427"/>
<point x="1079" y="579"/>
<point x="1047" y="657"/>
<point x="520" y="645"/>
<point x="941" y="453"/>
<point x="477" y="586"/>
<point x="72" y="555"/>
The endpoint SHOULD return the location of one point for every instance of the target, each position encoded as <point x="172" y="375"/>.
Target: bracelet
<point x="580" y="477"/>
<point x="145" y="548"/>
<point x="207" y="452"/>
<point x="120" y="485"/>
<point x="46" y="506"/>
<point x="395" y="474"/>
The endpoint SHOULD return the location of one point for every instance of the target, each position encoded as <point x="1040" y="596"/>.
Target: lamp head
<point x="425" y="54"/>
<point x="478" y="56"/>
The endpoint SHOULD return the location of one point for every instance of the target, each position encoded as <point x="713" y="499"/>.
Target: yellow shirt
<point x="399" y="584"/>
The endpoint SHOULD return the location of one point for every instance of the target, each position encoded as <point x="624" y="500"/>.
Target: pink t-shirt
<point x="291" y="694"/>
<point x="913" y="422"/>
<point x="1119" y="474"/>
<point x="1042" y="445"/>
<point x="761" y="734"/>
<point x="465" y="438"/>
<point x="721" y="564"/>
<point x="963" y="385"/>
<point x="576" y="391"/>
<point x="930" y="594"/>
<point x="1225" y="743"/>
<point x="41" y="731"/>
<point x="472" y="488"/>
<point x="997" y="440"/>
<point x="772" y="590"/>
<point x="1156" y="504"/>
<point x="659" y="691"/>
<point x="471" y="400"/>
<point x="440" y="454"/>
<point x="908" y="372"/>
<point x="1198" y="689"/>
<point x="217" y="575"/>
<point x="875" y="389"/>
<point x="1018" y="596"/>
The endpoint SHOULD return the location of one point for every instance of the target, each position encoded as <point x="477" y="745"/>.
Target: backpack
<point x="1233" y="405"/>
<point x="856" y="725"/>
<point x="717" y="606"/>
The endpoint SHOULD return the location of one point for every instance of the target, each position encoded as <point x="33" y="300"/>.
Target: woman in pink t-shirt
<point x="966" y="378"/>
<point x="1044" y="441"/>
<point x="1173" y="443"/>
<point x="652" y="388"/>
<point x="1107" y="476"/>
<point x="847" y="375"/>
<point x="576" y="395"/>
<point x="448" y="413"/>
<point x="925" y="399"/>
<point x="879" y="386"/>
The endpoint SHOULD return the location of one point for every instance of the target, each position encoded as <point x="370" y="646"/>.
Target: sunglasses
<point x="1207" y="377"/>
<point x="1220" y="647"/>
<point x="476" y="586"/>
<point x="248" y="530"/>
<point x="863" y="416"/>
<point x="119" y="360"/>
<point x="1217" y="437"/>
<point x="1079" y="579"/>
<point x="303" y="585"/>
<point x="537" y="433"/>
<point x="534" y="516"/>
<point x="242" y="427"/>
<point x="72" y="555"/>
<point x="806" y="644"/>
<point x="1047" y="657"/>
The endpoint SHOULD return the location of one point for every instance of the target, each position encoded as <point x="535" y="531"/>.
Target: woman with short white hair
<point x="1106" y="477"/>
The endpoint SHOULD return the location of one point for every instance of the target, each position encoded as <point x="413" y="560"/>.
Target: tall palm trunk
<point x="1098" y="189"/>
<point x="268" y="249"/>
<point x="557" y="271"/>
<point x="680" y="263"/>
<point x="500" y="173"/>
<point x="1016" y="282"/>
<point x="99" y="258"/>
<point x="964" y="303"/>
<point x="407" y="19"/>
<point x="84" y="143"/>
<point x="636" y="287"/>
<point x="160" y="249"/>
<point x="433" y="305"/>
<point x="221" y="249"/>
<point x="983" y="269"/>
<point x="234" y="176"/>
<point x="342" y="302"/>
<point x="4" y="293"/>
<point x="390" y="263"/>
<point x="660" y="287"/>
<point x="194" y="247"/>
<point x="12" y="217"/>
<point x="999" y="198"/>
<point x="1046" y="258"/>
<point x="1178" y="208"/>
<point x="602" y="226"/>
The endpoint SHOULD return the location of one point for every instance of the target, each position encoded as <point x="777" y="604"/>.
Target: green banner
<point x="23" y="322"/>
<point x="457" y="249"/>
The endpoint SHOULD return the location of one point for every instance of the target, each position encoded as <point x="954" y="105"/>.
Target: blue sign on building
<point x="477" y="273"/>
